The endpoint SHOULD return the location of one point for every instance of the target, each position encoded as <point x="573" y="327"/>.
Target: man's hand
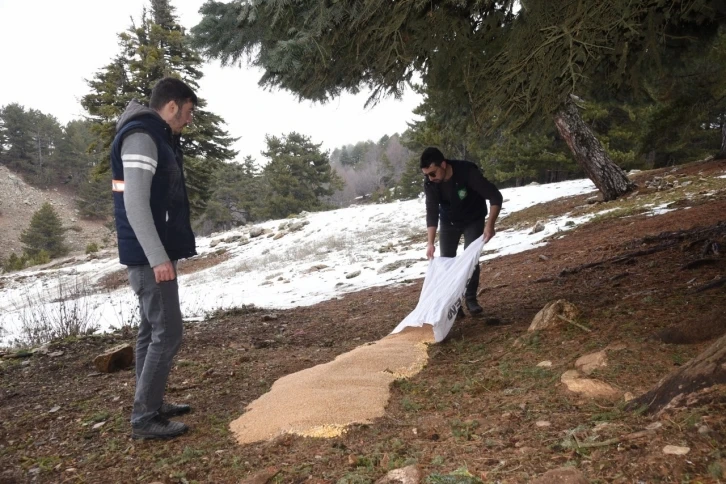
<point x="164" y="272"/>
<point x="430" y="251"/>
<point x="489" y="232"/>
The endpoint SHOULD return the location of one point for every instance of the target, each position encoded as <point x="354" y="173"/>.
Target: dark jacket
<point x="461" y="199"/>
<point x="168" y="198"/>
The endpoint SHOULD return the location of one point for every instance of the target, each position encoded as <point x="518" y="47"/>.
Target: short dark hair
<point x="171" y="89"/>
<point x="431" y="155"/>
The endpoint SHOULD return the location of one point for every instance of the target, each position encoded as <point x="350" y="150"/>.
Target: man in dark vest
<point x="154" y="231"/>
<point x="456" y="195"/>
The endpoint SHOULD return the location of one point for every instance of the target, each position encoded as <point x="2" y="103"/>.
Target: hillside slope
<point x="18" y="202"/>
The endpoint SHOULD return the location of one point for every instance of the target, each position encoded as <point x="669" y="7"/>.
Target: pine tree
<point x="498" y="66"/>
<point x="157" y="47"/>
<point x="45" y="233"/>
<point x="299" y="176"/>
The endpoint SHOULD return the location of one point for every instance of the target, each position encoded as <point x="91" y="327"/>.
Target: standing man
<point x="154" y="231"/>
<point x="456" y="194"/>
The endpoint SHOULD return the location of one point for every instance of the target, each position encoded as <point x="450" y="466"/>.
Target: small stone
<point x="404" y="475"/>
<point x="54" y="409"/>
<point x="538" y="227"/>
<point x="589" y="363"/>
<point x="98" y="425"/>
<point x="115" y="359"/>
<point x="654" y="426"/>
<point x="56" y="354"/>
<point x="676" y="450"/>
<point x="542" y="423"/>
<point x="352" y="275"/>
<point x="262" y="477"/>
<point x="563" y="475"/>
<point x="545" y="364"/>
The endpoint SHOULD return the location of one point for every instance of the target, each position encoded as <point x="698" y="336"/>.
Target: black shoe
<point x="460" y="313"/>
<point x="168" y="410"/>
<point x="158" y="428"/>
<point x="473" y="306"/>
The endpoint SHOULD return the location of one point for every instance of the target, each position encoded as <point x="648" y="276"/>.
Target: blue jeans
<point x="449" y="237"/>
<point x="160" y="335"/>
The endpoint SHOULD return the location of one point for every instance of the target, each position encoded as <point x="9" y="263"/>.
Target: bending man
<point x="456" y="195"/>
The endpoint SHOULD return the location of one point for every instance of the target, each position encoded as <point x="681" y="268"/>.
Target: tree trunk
<point x="589" y="153"/>
<point x="705" y="370"/>
<point x="722" y="153"/>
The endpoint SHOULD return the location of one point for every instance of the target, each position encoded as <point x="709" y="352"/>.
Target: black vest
<point x="169" y="201"/>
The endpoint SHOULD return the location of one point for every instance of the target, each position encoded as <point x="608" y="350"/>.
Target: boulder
<point x="117" y="358"/>
<point x="551" y="315"/>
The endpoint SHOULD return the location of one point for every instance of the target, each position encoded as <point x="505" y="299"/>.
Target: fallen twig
<point x="584" y="328"/>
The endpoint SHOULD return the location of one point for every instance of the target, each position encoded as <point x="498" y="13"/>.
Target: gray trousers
<point x="449" y="237"/>
<point x="160" y="335"/>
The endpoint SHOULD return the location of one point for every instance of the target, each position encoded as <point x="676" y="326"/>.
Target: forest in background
<point x="678" y="115"/>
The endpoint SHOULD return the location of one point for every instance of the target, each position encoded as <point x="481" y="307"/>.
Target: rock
<point x="404" y="475"/>
<point x="627" y="396"/>
<point x="294" y="227"/>
<point x="676" y="450"/>
<point x="98" y="425"/>
<point x="315" y="268"/>
<point x="54" y="409"/>
<point x="279" y="235"/>
<point x="545" y="364"/>
<point x="232" y="238"/>
<point x="117" y="358"/>
<point x="589" y="363"/>
<point x="215" y="243"/>
<point x="269" y="317"/>
<point x="548" y="317"/>
<point x="353" y="274"/>
<point x="563" y="475"/>
<point x="538" y="227"/>
<point x="56" y="354"/>
<point x="256" y="231"/>
<point x="392" y="266"/>
<point x="262" y="477"/>
<point x="542" y="423"/>
<point x="588" y="387"/>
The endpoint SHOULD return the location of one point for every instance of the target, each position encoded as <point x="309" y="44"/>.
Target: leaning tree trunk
<point x="589" y="153"/>
<point x="722" y="154"/>
<point x="705" y="370"/>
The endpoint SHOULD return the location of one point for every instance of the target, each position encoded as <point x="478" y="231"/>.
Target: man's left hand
<point x="488" y="233"/>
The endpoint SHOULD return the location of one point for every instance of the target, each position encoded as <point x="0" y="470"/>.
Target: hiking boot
<point x="460" y="313"/>
<point x="168" y="410"/>
<point x="158" y="428"/>
<point x="473" y="306"/>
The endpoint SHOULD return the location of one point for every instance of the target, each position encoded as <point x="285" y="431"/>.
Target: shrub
<point x="91" y="248"/>
<point x="45" y="232"/>
<point x="69" y="313"/>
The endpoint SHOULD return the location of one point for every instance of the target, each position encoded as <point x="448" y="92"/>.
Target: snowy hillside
<point x="282" y="263"/>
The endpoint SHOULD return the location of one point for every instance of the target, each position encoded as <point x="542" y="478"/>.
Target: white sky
<point x="49" y="47"/>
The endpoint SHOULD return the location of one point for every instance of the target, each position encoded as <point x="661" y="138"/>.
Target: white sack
<point x="443" y="288"/>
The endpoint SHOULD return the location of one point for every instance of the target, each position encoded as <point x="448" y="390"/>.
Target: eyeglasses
<point x="432" y="173"/>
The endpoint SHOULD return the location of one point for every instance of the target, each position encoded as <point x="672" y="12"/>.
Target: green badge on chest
<point x="462" y="193"/>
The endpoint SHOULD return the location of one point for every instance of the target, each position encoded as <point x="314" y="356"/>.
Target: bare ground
<point x="475" y="406"/>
